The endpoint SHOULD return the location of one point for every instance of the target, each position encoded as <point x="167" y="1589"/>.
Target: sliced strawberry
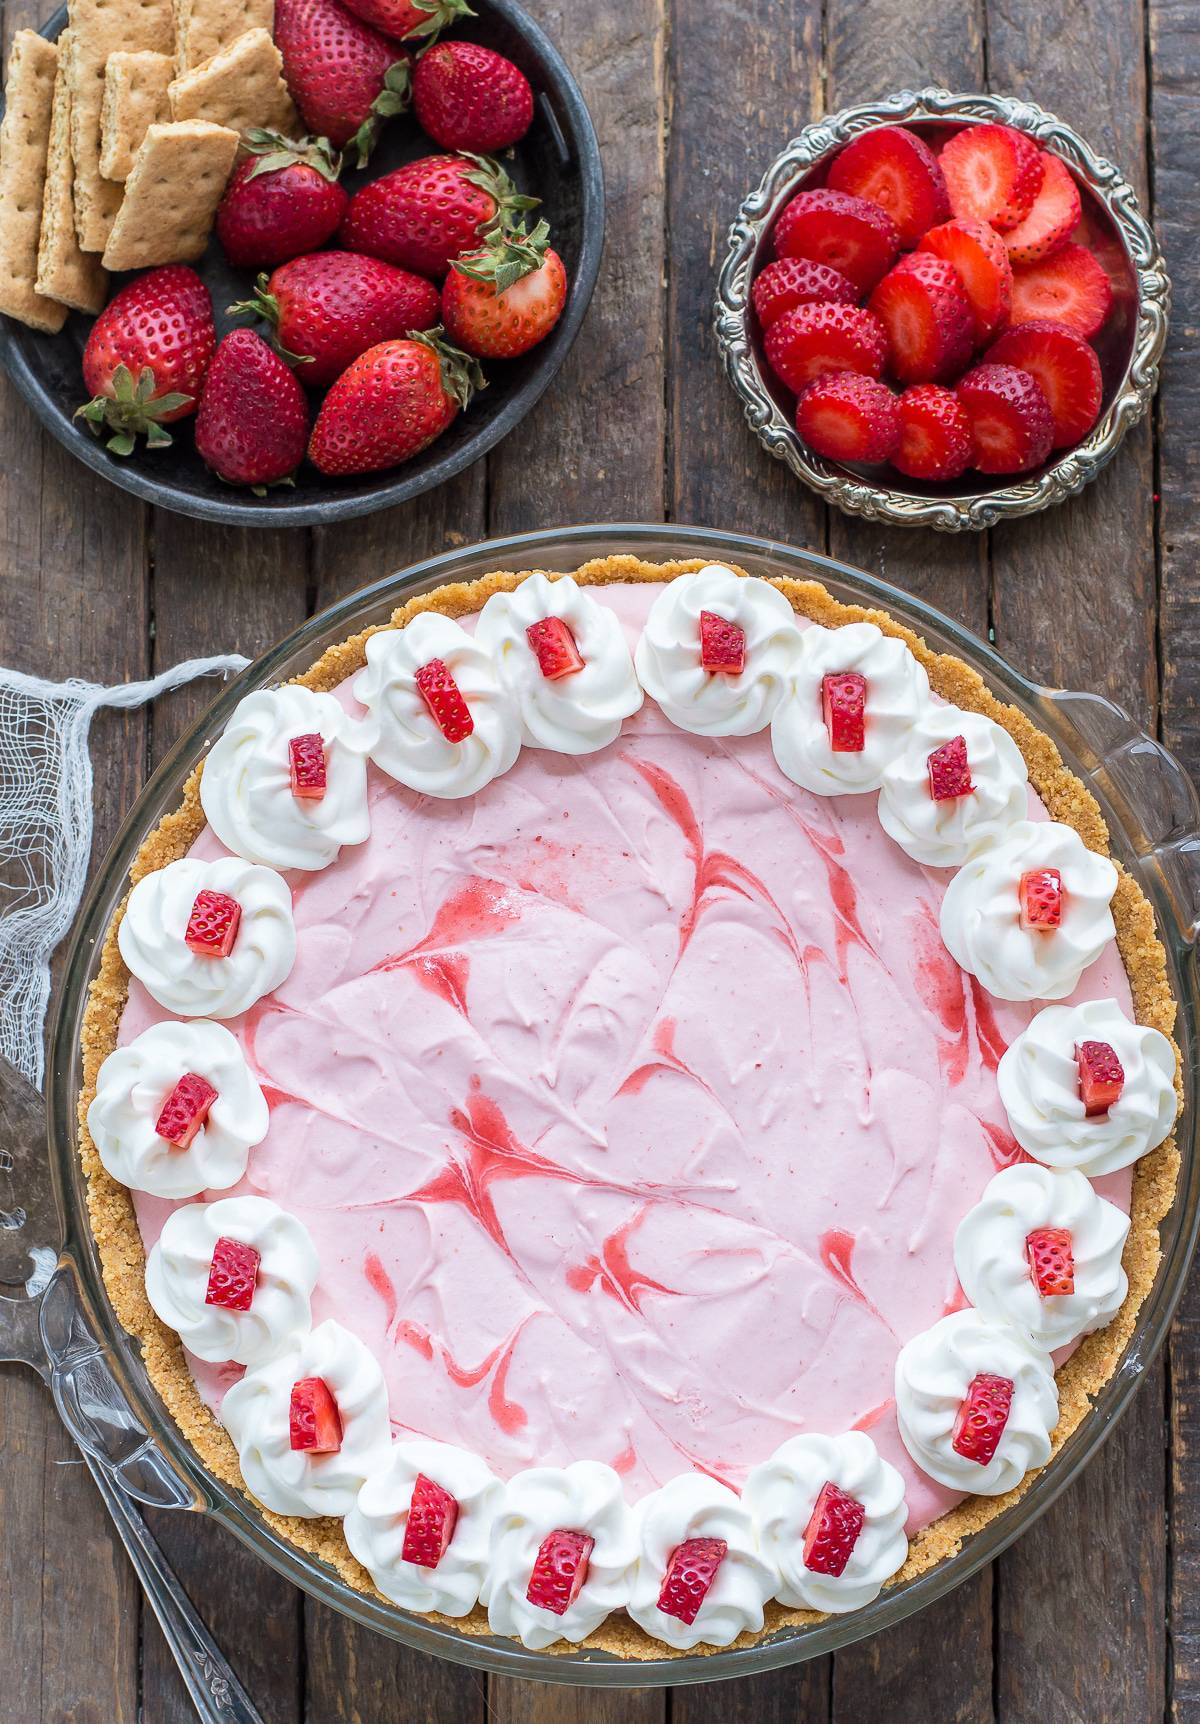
<point x="1069" y="287"/>
<point x="233" y="1275"/>
<point x="935" y="434"/>
<point x="443" y="697"/>
<point x="977" y="253"/>
<point x="306" y="757"/>
<point x="844" y="705"/>
<point x="993" y="173"/>
<point x="1051" y="1261"/>
<point x="793" y="281"/>
<point x="894" y="168"/>
<point x="722" y="645"/>
<point x="925" y="311"/>
<point x="690" y="1572"/>
<point x="185" y="1110"/>
<point x="814" y="340"/>
<point x="853" y="236"/>
<point x="560" y="1570"/>
<point x="554" y="645"/>
<point x="1011" y="425"/>
<point x="1052" y="220"/>
<point x="849" y="418"/>
<point x="1041" y="896"/>
<point x="314" y="1422"/>
<point x="1101" y="1077"/>
<point x="432" y="1517"/>
<point x="950" y="771"/>
<point x="832" y="1532"/>
<point x="213" y="924"/>
<point x="982" y="1417"/>
<point x="1065" y="369"/>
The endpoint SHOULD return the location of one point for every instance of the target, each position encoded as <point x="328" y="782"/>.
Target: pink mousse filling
<point x="632" y="1105"/>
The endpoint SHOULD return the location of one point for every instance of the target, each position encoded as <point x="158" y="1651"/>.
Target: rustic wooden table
<point x="1095" y="1615"/>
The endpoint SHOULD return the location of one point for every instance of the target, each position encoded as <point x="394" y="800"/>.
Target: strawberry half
<point x="935" y="434"/>
<point x="314" y="1423"/>
<point x="950" y="771"/>
<point x="1011" y="424"/>
<point x="722" y="645"/>
<point x="432" y="1518"/>
<point x="855" y="237"/>
<point x="306" y="761"/>
<point x="560" y="1570"/>
<point x="443" y="697"/>
<point x="233" y="1275"/>
<point x="844" y="706"/>
<point x="1069" y="287"/>
<point x="1051" y="1261"/>
<point x="793" y="281"/>
<point x="977" y="253"/>
<point x="813" y="340"/>
<point x="1052" y="220"/>
<point x="185" y="1110"/>
<point x="467" y="97"/>
<point x="833" y="1530"/>
<point x="849" y="418"/>
<point x="555" y="648"/>
<point x="1101" y="1077"/>
<point x="982" y="1417"/>
<point x="690" y="1573"/>
<point x="927" y="317"/>
<point x="213" y="924"/>
<point x="993" y="173"/>
<point x="1065" y="369"/>
<point x="894" y="168"/>
<point x="1041" y="897"/>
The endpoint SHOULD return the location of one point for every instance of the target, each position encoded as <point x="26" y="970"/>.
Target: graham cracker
<point x="24" y="145"/>
<point x="240" y="87"/>
<point x="204" y="27"/>
<point x="75" y="277"/>
<point x="100" y="28"/>
<point x="135" y="98"/>
<point x="171" y="195"/>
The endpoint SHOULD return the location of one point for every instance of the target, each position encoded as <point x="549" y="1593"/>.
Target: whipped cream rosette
<point x="981" y="913"/>
<point x="410" y="745"/>
<point x="668" y="657"/>
<point x="135" y="1084"/>
<point x="577" y="712"/>
<point x="180" y="1270"/>
<point x="257" y="1414"/>
<point x="697" y="1507"/>
<point x="377" y="1525"/>
<point x="783" y="1495"/>
<point x="945" y="833"/>
<point x="896" y="695"/>
<point x="1039" y="1084"/>
<point x="196" y="985"/>
<point x="246" y="787"/>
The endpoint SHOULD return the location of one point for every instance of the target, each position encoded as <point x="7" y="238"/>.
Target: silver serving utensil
<point x="29" y="1236"/>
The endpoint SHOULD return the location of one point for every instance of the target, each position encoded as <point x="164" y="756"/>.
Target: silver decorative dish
<point x="1129" y="346"/>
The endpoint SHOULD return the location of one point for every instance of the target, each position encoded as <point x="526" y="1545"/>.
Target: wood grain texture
<point x="540" y="1703"/>
<point x="935" y="1668"/>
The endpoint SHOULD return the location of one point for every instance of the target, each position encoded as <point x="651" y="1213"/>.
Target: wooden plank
<point x="355" y="1677"/>
<point x="936" y="1666"/>
<point x="512" y="1702"/>
<point x="799" y="1694"/>
<point x="358" y="553"/>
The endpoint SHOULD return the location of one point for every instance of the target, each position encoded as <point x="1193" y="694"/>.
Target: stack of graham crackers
<point x="118" y="139"/>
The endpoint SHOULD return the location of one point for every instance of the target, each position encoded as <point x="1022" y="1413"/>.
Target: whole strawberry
<point x="425" y="214"/>
<point x="146" y="357"/>
<point x="281" y="200"/>
<point x="344" y="77"/>
<point x="502" y="300"/>
<point x="252" y="423"/>
<point x="330" y="307"/>
<point x="391" y="403"/>
<point x="469" y="98"/>
<point x="410" y="20"/>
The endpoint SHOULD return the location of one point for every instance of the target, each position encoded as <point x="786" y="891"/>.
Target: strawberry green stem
<point x="133" y="410"/>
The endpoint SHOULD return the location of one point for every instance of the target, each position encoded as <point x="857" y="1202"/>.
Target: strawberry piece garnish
<point x="314" y="1422"/>
<point x="950" y="771"/>
<point x="1011" y="423"/>
<point x="849" y="418"/>
<point x="978" y="254"/>
<point x="1052" y="220"/>
<point x="993" y="173"/>
<point x="432" y="1517"/>
<point x="444" y="699"/>
<point x="690" y="1572"/>
<point x="1101" y="1077"/>
<point x="185" y="1110"/>
<point x="793" y="281"/>
<point x="554" y="645"/>
<point x="1064" y="368"/>
<point x="213" y="924"/>
<point x="233" y="1275"/>
<point x="894" y="168"/>
<point x="927" y="317"/>
<point x="1070" y="287"/>
<point x="306" y="756"/>
<point x="1041" y="896"/>
<point x="1051" y="1261"/>
<point x="982" y="1417"/>
<point x="844" y="704"/>
<point x="722" y="645"/>
<point x="935" y="434"/>
<point x="814" y="340"/>
<point x="559" y="1570"/>
<point x="832" y="1531"/>
<point x="855" y="237"/>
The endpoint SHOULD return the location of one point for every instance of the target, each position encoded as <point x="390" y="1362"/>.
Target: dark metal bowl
<point x="558" y="159"/>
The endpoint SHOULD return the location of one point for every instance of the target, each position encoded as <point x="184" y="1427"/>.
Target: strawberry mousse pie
<point x="631" y="1108"/>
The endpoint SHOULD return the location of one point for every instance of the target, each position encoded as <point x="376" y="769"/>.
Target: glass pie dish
<point x="97" y="1376"/>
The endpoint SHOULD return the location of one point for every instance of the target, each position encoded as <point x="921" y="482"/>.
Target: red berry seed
<point x="554" y="645"/>
<point x="314" y="1423"/>
<point x="213" y="924"/>
<point x="950" y="771"/>
<point x="233" y="1275"/>
<point x="982" y="1417"/>
<point x="1051" y="1261"/>
<point x="560" y="1570"/>
<point x="832" y="1532"/>
<point x="444" y="699"/>
<point x="844" y="704"/>
<point x="185" y="1110"/>
<point x="690" y="1572"/>
<point x="1101" y="1077"/>
<point x="1041" y="896"/>
<point x="432" y="1518"/>
<point x="306" y="755"/>
<point x="722" y="645"/>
